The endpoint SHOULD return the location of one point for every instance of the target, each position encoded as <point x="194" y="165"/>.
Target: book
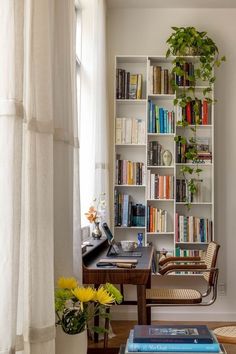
<point x="172" y="347"/>
<point x="133" y="86"/>
<point x="172" y="334"/>
<point x="126" y="351"/>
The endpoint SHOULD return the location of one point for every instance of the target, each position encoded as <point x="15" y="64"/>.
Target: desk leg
<point x="141" y="302"/>
<point x="148" y="309"/>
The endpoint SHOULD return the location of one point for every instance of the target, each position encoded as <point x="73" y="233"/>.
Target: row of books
<point x="159" y="80"/>
<point x="180" y="252"/>
<point x="155" y="154"/>
<point x="204" y="155"/>
<point x="128" y="172"/>
<point x="195" y="112"/>
<point x="128" y="86"/>
<point x="130" y="131"/>
<point x="156" y="219"/>
<point x="159" y="187"/>
<point x="188" y="73"/>
<point x="184" y="194"/>
<point x="192" y="229"/>
<point x="172" y="339"/>
<point x="126" y="212"/>
<point x="160" y="120"/>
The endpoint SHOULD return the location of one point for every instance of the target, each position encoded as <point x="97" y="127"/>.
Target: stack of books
<point x="172" y="339"/>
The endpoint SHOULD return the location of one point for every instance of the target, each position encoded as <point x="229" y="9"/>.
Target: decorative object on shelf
<point x="95" y="214"/>
<point x="75" y="306"/>
<point x="167" y="158"/>
<point x="96" y="233"/>
<point x="185" y="43"/>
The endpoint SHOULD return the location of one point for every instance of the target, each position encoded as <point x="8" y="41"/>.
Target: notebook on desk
<point x="115" y="249"/>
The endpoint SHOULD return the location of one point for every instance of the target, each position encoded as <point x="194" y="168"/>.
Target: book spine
<point x="175" y="347"/>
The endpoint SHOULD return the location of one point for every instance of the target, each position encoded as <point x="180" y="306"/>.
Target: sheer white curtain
<point x="38" y="148"/>
<point x="94" y="118"/>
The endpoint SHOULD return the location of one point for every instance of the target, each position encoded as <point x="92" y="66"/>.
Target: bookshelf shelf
<point x="161" y="134"/>
<point x="160" y="200"/>
<point x="199" y="126"/>
<point x="161" y="167"/>
<point x="158" y="121"/>
<point x="192" y="243"/>
<point x="162" y="96"/>
<point x="130" y="101"/>
<point x="130" y="185"/>
<point x="161" y="233"/>
<point x="202" y="164"/>
<point x="130" y="227"/>
<point x="195" y="203"/>
<point x="127" y="145"/>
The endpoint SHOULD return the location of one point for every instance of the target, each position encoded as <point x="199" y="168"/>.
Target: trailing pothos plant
<point x="186" y="44"/>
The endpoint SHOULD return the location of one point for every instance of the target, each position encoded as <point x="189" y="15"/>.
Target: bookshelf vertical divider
<point x="137" y="181"/>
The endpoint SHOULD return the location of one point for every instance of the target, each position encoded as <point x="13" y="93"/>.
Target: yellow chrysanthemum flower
<point x="103" y="297"/>
<point x="67" y="283"/>
<point x="84" y="294"/>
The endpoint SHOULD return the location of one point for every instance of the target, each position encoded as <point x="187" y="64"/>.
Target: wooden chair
<point x="186" y="297"/>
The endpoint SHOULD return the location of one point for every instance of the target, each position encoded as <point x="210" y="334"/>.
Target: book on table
<point x="172" y="334"/>
<point x="124" y="350"/>
<point x="172" y="347"/>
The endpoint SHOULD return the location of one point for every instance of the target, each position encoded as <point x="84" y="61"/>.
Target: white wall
<point x="144" y="32"/>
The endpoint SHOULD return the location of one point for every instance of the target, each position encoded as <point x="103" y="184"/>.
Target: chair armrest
<point x="176" y="259"/>
<point x="181" y="267"/>
<point x="193" y="270"/>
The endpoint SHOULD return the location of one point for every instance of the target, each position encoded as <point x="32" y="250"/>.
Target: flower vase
<point x="96" y="233"/>
<point x="71" y="343"/>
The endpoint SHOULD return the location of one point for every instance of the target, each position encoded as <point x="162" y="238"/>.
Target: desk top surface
<point x="99" y="251"/>
<point x="98" y="275"/>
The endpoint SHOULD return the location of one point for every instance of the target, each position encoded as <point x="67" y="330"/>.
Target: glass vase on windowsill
<point x="96" y="233"/>
<point x="95" y="214"/>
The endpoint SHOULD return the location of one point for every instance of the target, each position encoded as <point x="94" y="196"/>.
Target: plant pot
<point x="71" y="343"/>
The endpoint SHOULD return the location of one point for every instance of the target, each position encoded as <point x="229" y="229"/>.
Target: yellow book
<point x="139" y="87"/>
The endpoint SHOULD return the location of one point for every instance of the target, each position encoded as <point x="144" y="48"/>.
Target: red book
<point x="204" y="112"/>
<point x="188" y="113"/>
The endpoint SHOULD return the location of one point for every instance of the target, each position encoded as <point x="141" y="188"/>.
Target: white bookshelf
<point x="139" y="109"/>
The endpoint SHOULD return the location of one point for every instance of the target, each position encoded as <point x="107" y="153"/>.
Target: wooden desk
<point x="139" y="276"/>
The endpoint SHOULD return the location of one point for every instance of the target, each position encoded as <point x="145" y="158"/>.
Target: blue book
<point x="153" y="119"/>
<point x="165" y="121"/>
<point x="161" y="118"/>
<point x="172" y="347"/>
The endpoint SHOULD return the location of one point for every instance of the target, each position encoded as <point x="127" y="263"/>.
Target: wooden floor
<point x="122" y="328"/>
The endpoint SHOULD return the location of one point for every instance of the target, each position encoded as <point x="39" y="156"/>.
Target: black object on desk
<point x="114" y="248"/>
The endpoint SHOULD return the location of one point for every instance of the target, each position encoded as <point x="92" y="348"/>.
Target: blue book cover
<point x="165" y="121"/>
<point x="175" y="347"/>
<point x="153" y="119"/>
<point x="161" y="118"/>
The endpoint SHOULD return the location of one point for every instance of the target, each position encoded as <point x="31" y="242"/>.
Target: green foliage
<point x="184" y="42"/>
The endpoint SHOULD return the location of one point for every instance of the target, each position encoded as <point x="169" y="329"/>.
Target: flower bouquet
<point x="76" y="305"/>
<point x="96" y="213"/>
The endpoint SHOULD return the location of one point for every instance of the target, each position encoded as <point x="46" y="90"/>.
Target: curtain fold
<point x="94" y="127"/>
<point x="38" y="141"/>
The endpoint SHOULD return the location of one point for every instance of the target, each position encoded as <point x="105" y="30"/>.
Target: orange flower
<point x="91" y="215"/>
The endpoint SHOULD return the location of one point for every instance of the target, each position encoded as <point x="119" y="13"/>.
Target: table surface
<point x="98" y="275"/>
<point x="139" y="276"/>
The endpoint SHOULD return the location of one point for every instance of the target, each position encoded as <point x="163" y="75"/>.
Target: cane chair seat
<point x="178" y="296"/>
<point x="205" y="267"/>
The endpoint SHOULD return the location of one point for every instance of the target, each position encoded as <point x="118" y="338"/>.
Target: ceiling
<point x="115" y="4"/>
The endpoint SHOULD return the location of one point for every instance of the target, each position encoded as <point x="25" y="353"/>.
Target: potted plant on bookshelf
<point x="186" y="44"/>
<point x="75" y="307"/>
